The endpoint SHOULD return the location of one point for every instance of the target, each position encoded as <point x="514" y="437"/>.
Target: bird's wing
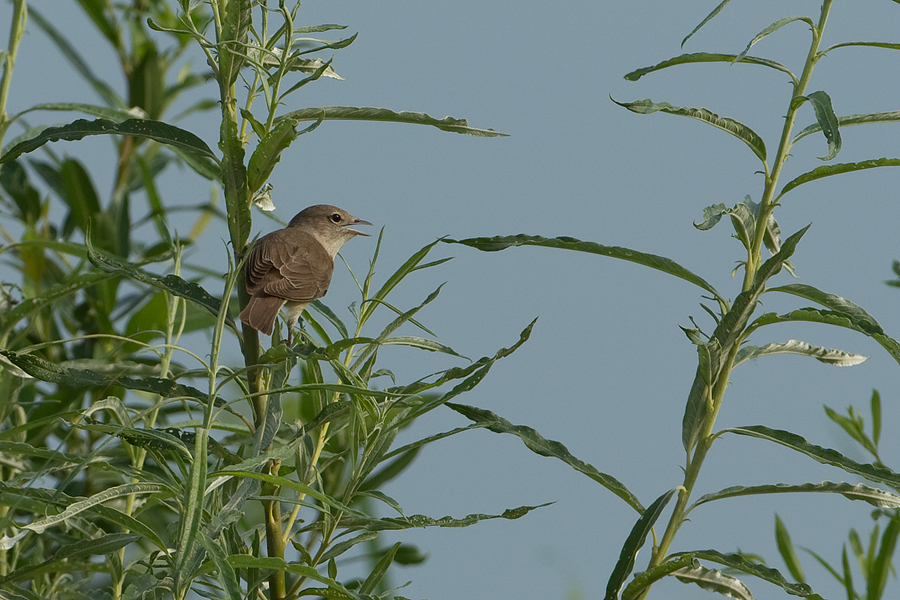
<point x="291" y="265"/>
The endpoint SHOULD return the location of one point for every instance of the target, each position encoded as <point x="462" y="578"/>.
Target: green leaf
<point x="549" y="448"/>
<point x="727" y="333"/>
<point x="738" y="130"/>
<point x="873" y="496"/>
<point x="245" y="561"/>
<point x="881" y="567"/>
<point x="826" y="456"/>
<point x="233" y="40"/>
<point x="173" y="284"/>
<point x="880" y="117"/>
<point x="713" y="580"/>
<point x="80" y="378"/>
<point x="10" y="318"/>
<point x="379" y="570"/>
<point x="772" y="29"/>
<point x="708" y="18"/>
<point x="268" y="151"/>
<point x="885" y="45"/>
<point x="81" y="66"/>
<point x="705" y="57"/>
<point x="827" y="121"/>
<point x="155" y="130"/>
<point x="352" y="113"/>
<point x="417" y="521"/>
<point x="739" y="562"/>
<point x="645" y="579"/>
<point x="786" y="549"/>
<point x="876" y="416"/>
<point x="127" y="489"/>
<point x="633" y="543"/>
<point x="341" y="547"/>
<point x="660" y="263"/>
<point x="837" y="358"/>
<point x="840" y="169"/>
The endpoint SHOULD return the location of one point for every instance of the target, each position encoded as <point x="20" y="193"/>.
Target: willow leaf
<point x="633" y="543"/>
<point x="549" y="448"/>
<point x="828" y="122"/>
<point x="713" y="580"/>
<point x="881" y="117"/>
<point x="144" y="128"/>
<point x="829" y="170"/>
<point x="353" y="113"/>
<point x="708" y="18"/>
<point x="79" y="506"/>
<point x="741" y="563"/>
<point x="772" y="29"/>
<point x="873" y="496"/>
<point x="837" y="358"/>
<point x="706" y="57"/>
<point x="826" y="456"/>
<point x="738" y="130"/>
<point x="660" y="263"/>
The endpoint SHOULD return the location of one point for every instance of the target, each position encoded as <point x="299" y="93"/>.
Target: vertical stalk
<point x="16" y="31"/>
<point x="784" y="146"/>
<point x="695" y="461"/>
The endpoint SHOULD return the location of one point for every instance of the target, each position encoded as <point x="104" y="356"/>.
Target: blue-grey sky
<point x="607" y="370"/>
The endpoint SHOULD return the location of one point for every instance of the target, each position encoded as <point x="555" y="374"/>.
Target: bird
<point x="291" y="267"/>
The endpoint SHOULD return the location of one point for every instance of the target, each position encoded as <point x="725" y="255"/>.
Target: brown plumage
<point x="291" y="267"/>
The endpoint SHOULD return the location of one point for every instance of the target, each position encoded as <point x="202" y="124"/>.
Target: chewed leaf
<point x="827" y="121"/>
<point x="713" y="580"/>
<point x="738" y="130"/>
<point x="837" y="358"/>
<point x="743" y="564"/>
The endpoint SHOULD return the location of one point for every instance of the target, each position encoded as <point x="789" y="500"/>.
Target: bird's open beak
<point x="358" y="222"/>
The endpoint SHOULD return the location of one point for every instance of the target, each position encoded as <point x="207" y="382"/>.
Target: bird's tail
<point x="260" y="313"/>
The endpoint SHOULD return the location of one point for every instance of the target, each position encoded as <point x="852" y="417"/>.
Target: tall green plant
<point x="727" y="345"/>
<point x="135" y="462"/>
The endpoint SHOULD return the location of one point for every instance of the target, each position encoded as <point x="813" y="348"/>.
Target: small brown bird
<point x="292" y="266"/>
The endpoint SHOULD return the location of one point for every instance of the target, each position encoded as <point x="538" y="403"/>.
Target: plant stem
<point x="717" y="389"/>
<point x="784" y="147"/>
<point x="16" y="30"/>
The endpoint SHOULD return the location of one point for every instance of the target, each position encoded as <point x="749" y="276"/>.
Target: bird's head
<point x="329" y="224"/>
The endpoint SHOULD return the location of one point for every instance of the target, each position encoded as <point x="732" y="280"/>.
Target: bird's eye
<point x="335" y="218"/>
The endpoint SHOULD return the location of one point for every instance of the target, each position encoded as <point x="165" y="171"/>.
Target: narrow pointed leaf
<point x="706" y="57"/>
<point x="173" y="284"/>
<point x="660" y="263"/>
<point x="882" y="567"/>
<point x="713" y="580"/>
<point x="645" y="579"/>
<point x="741" y="563"/>
<point x="880" y="117"/>
<point x="738" y="130"/>
<point x="79" y="378"/>
<point x="103" y="112"/>
<point x="245" y="561"/>
<point x="873" y="496"/>
<point x="772" y="29"/>
<point x="787" y="551"/>
<point x="826" y="456"/>
<point x="549" y="448"/>
<point x="155" y="130"/>
<point x="417" y="521"/>
<point x="80" y="506"/>
<point x="708" y="18"/>
<point x="727" y="333"/>
<point x="233" y="39"/>
<point x="837" y="358"/>
<point x="60" y="290"/>
<point x="827" y="121"/>
<point x="840" y="169"/>
<point x="633" y="543"/>
<point x="352" y="113"/>
<point x="268" y="151"/>
<point x="379" y="570"/>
